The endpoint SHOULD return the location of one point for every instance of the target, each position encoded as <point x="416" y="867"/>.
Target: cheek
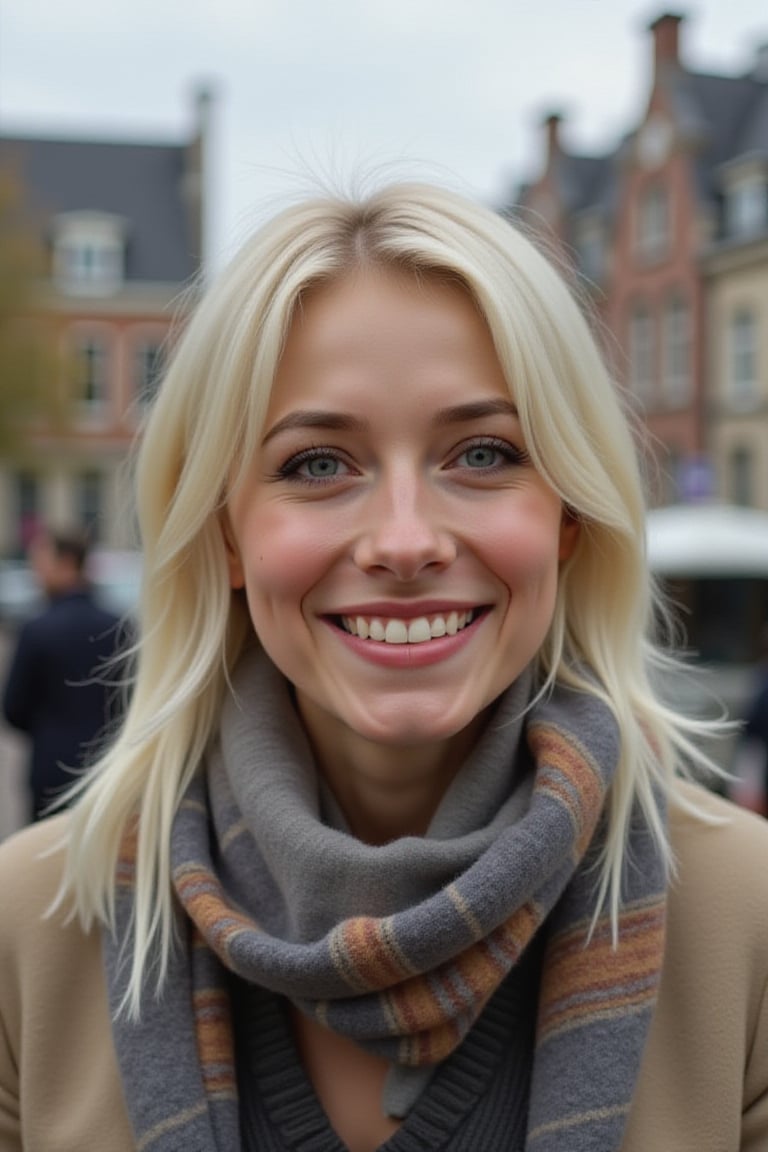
<point x="282" y="557"/>
<point x="525" y="550"/>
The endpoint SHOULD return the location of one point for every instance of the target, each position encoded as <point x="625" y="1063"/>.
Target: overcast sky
<point x="452" y="90"/>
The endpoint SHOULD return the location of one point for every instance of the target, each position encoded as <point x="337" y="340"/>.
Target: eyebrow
<point x="335" y="421"/>
<point x="476" y="410"/>
<point x="340" y="422"/>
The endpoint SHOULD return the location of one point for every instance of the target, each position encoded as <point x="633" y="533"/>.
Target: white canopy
<point x="708" y="540"/>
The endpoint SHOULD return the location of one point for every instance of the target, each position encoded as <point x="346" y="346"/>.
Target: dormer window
<point x="746" y="206"/>
<point x="88" y="253"/>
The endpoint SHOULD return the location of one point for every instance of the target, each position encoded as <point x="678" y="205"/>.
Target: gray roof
<point x="584" y="180"/>
<point x="143" y="183"/>
<point x="727" y="116"/>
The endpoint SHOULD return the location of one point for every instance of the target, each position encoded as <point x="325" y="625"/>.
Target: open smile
<point x="419" y="630"/>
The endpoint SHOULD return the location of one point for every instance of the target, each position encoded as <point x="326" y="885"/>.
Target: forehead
<point x="378" y="328"/>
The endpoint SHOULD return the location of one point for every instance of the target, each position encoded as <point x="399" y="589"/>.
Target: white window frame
<point x="145" y="348"/>
<point x="93" y="345"/>
<point x="746" y="206"/>
<point x="676" y="349"/>
<point x="89" y="253"/>
<point x="743" y="333"/>
<point x="91" y="517"/>
<point x="641" y="347"/>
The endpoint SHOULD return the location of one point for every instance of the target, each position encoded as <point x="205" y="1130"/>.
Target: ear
<point x="570" y="528"/>
<point x="234" y="562"/>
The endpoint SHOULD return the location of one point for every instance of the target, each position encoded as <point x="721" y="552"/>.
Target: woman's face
<point x="399" y="551"/>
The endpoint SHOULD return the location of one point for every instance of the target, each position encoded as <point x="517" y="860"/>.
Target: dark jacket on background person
<point x="59" y="691"/>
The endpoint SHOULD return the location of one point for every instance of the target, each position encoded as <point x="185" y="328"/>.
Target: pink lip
<point x="406" y="656"/>
<point x="403" y="610"/>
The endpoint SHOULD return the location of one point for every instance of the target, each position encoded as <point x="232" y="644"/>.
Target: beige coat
<point x="704" y="1081"/>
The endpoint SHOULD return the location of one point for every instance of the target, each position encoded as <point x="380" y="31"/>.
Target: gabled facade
<point x="122" y="226"/>
<point x="671" y="230"/>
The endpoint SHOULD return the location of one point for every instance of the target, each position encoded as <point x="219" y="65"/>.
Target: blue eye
<point x="490" y="456"/>
<point x="481" y="456"/>
<point x="313" y="466"/>
<point x="319" y="467"/>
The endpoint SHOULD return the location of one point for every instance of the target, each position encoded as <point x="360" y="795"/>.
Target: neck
<point x="387" y="791"/>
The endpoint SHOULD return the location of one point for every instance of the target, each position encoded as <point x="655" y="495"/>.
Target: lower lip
<point x="404" y="656"/>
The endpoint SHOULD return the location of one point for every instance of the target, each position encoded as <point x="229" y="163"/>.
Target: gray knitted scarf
<point x="398" y="947"/>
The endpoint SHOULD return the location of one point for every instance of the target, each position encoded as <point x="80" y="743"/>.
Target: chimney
<point x="196" y="183"/>
<point x="552" y="124"/>
<point x="666" y="41"/>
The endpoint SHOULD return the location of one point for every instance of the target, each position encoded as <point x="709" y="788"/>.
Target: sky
<point x="344" y="92"/>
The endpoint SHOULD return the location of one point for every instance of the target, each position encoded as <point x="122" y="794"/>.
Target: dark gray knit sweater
<point x="476" y="1101"/>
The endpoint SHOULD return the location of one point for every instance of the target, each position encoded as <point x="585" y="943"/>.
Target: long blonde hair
<point x="204" y="427"/>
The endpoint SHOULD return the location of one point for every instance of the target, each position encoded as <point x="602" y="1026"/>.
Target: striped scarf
<point x="398" y="947"/>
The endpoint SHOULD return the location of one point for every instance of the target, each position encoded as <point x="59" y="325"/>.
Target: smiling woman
<point x="395" y="487"/>
<point x="381" y="855"/>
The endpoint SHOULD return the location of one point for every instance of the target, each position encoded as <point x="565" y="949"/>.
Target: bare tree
<point x="28" y="372"/>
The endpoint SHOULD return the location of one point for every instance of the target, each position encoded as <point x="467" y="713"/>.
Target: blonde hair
<point x="205" y="425"/>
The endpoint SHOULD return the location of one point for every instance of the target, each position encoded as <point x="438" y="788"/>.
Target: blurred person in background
<point x="58" y="686"/>
<point x="394" y="847"/>
<point x="749" y="787"/>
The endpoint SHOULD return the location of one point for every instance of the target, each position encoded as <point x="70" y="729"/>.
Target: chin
<point x="402" y="730"/>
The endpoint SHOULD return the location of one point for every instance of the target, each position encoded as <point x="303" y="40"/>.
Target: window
<point x="89" y="264"/>
<point x="743" y="358"/>
<point x="591" y="251"/>
<point x="653" y="228"/>
<point x="90" y="498"/>
<point x="741" y="479"/>
<point x="677" y="352"/>
<point x="91" y="373"/>
<point x="88" y="253"/>
<point x="149" y="369"/>
<point x="747" y="207"/>
<point x="28" y="503"/>
<point x="672" y="475"/>
<point x="641" y="353"/>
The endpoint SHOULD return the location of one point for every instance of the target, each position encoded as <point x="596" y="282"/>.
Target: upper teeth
<point x="407" y="631"/>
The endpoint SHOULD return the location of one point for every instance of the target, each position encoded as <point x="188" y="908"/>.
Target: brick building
<point x="122" y="226"/>
<point x="669" y="230"/>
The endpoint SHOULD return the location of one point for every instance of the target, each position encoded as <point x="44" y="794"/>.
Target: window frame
<point x="653" y="224"/>
<point x="742" y="352"/>
<point x="676" y="350"/>
<point x="642" y="352"/>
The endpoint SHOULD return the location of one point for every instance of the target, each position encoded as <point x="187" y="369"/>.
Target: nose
<point x="401" y="530"/>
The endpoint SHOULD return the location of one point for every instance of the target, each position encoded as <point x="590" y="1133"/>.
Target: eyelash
<point x="511" y="454"/>
<point x="290" y="469"/>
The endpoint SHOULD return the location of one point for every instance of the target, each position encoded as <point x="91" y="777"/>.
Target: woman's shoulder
<point x="715" y="832"/>
<point x="720" y="883"/>
<point x="31" y="865"/>
<point x="704" y="1079"/>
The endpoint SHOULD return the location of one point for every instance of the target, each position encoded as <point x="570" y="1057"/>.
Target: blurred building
<point x="122" y="228"/>
<point x="668" y="233"/>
